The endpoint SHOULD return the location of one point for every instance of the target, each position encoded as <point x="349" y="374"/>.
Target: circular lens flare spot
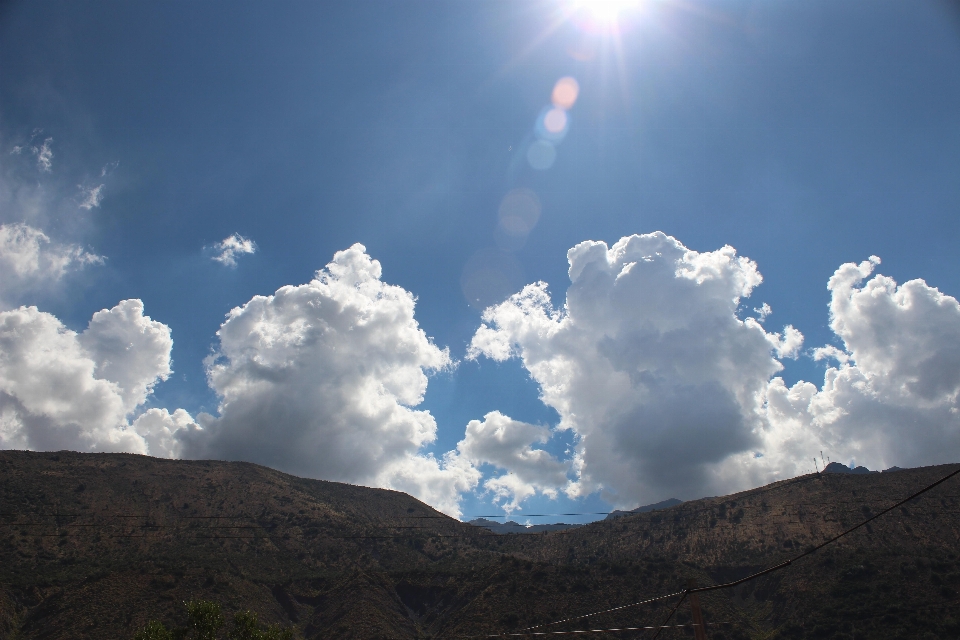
<point x="490" y="277"/>
<point x="555" y="121"/>
<point x="519" y="212"/>
<point x="565" y="92"/>
<point x="541" y="155"/>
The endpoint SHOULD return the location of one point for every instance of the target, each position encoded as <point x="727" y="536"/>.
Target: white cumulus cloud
<point x="507" y="444"/>
<point x="786" y="345"/>
<point x="892" y="399"/>
<point x="227" y="250"/>
<point x="28" y="259"/>
<point x="670" y="393"/>
<point x="666" y="389"/>
<point x="322" y="380"/>
<point x="60" y="389"/>
<point x="647" y="363"/>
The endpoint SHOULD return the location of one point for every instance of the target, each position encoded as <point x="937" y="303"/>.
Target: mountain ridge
<point x="97" y="544"/>
<point x="515" y="527"/>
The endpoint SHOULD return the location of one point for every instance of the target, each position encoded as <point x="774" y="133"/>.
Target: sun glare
<point x="604" y="11"/>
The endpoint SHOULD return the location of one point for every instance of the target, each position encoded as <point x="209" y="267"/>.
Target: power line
<point x="389" y="526"/>
<point x="679" y="507"/>
<point x="114" y="515"/>
<point x="806" y="553"/>
<point x="672" y="611"/>
<point x="619" y="629"/>
<point x="424" y="531"/>
<point x="529" y="630"/>
<point x="682" y="511"/>
<point x="752" y="493"/>
<point x="477" y="534"/>
<point x="597" y="613"/>
<point x="683" y="594"/>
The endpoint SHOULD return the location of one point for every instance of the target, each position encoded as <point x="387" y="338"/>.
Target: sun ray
<point x="561" y="16"/>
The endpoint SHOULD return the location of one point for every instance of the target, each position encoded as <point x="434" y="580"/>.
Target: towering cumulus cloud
<point x="669" y="392"/>
<point x="60" y="389"/>
<point x="647" y="363"/>
<point x="322" y="379"/>
<point x="892" y="397"/>
<point x="666" y="388"/>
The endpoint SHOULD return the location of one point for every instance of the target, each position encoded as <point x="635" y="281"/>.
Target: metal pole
<point x="699" y="632"/>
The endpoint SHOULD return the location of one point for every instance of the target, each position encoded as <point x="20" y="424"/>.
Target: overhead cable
<point x="766" y="571"/>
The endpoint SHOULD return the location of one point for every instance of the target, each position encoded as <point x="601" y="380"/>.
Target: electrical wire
<point x="529" y="630"/>
<point x="689" y="624"/>
<point x="806" y="553"/>
<point x="766" y="571"/>
<point x="673" y="611"/>
<point x="283" y="537"/>
<point x="424" y="531"/>
<point x="685" y="511"/>
<point x="577" y="631"/>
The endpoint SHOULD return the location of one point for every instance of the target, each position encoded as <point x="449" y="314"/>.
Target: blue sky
<point x="806" y="135"/>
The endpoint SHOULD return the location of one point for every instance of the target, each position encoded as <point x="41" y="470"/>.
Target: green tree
<point x="246" y="626"/>
<point x="153" y="631"/>
<point x="204" y="618"/>
<point x="276" y="632"/>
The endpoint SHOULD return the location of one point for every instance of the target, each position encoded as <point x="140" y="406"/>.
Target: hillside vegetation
<point x="96" y="545"/>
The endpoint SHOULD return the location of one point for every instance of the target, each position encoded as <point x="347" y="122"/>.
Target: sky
<point x="513" y="258"/>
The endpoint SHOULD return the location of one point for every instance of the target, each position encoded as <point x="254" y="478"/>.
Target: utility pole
<point x="699" y="632"/>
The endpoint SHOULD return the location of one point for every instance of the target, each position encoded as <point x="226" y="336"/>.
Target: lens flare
<point x="489" y="277"/>
<point x="519" y="211"/>
<point x="565" y="92"/>
<point x="606" y="18"/>
<point x="552" y="125"/>
<point x="555" y="121"/>
<point x="541" y="155"/>
<point x="605" y="11"/>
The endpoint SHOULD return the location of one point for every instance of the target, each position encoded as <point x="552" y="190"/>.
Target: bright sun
<point x="604" y="11"/>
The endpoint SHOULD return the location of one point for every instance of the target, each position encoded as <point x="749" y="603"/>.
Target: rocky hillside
<point x="95" y="545"/>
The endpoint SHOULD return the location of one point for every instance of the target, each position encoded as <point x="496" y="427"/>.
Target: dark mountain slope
<point x="94" y="545"/>
<point x="907" y="559"/>
<point x="98" y="542"/>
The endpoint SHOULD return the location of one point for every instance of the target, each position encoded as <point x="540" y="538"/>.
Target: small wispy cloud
<point x="90" y="196"/>
<point x="44" y="155"/>
<point x="30" y="261"/>
<point x="109" y="168"/>
<point x="227" y="250"/>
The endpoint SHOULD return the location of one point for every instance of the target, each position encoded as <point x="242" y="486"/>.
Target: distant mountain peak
<point x="515" y="527"/>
